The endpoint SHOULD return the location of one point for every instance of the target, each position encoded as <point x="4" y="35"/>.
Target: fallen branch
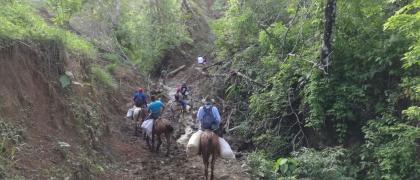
<point x="176" y="70"/>
<point x="215" y="64"/>
<point x="228" y="120"/>
<point x="232" y="73"/>
<point x="231" y="129"/>
<point x="211" y="75"/>
<point x="248" y="78"/>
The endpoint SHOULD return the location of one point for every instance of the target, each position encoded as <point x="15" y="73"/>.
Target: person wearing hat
<point x="208" y="115"/>
<point x="139" y="98"/>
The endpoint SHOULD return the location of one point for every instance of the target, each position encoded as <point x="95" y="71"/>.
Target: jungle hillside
<point x="306" y="89"/>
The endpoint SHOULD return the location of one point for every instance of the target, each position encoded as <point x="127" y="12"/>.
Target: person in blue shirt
<point x="155" y="108"/>
<point x="139" y="98"/>
<point x="208" y="116"/>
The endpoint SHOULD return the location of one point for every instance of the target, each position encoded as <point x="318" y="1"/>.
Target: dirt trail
<point x="142" y="164"/>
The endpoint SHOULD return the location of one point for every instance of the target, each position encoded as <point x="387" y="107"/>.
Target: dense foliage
<point x="355" y="117"/>
<point x="366" y="99"/>
<point x="148" y="29"/>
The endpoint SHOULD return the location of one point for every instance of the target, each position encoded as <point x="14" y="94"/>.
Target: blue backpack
<point x="208" y="118"/>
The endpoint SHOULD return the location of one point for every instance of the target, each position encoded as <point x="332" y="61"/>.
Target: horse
<point x="176" y="110"/>
<point x="209" y="146"/>
<point x="139" y="115"/>
<point x="160" y="127"/>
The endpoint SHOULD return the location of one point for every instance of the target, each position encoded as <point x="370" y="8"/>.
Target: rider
<point x="183" y="90"/>
<point x="208" y="116"/>
<point x="155" y="108"/>
<point x="139" y="98"/>
<point x="181" y="101"/>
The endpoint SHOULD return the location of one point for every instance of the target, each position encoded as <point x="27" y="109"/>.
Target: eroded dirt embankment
<point x="33" y="99"/>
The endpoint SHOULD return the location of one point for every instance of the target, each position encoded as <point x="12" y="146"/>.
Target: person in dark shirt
<point x="140" y="99"/>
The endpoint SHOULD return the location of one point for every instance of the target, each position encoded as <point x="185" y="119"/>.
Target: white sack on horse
<point x="130" y="113"/>
<point x="136" y="113"/>
<point x="148" y="127"/>
<point x="225" y="150"/>
<point x="194" y="144"/>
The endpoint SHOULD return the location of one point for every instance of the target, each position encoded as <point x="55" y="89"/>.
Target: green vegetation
<point x="353" y="113"/>
<point x="64" y="9"/>
<point x="103" y="77"/>
<point x="366" y="99"/>
<point x="20" y="21"/>
<point x="147" y="36"/>
<point x="11" y="136"/>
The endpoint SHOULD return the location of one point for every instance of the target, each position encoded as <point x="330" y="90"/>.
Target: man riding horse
<point x="209" y="119"/>
<point x="155" y="108"/>
<point x="208" y="116"/>
<point x="140" y="99"/>
<point x="183" y="90"/>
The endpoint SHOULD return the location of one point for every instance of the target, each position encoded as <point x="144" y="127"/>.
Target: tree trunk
<point x="330" y="10"/>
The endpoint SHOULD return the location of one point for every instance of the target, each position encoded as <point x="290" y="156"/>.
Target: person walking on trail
<point x="139" y="98"/>
<point x="201" y="60"/>
<point x="208" y="116"/>
<point x="156" y="107"/>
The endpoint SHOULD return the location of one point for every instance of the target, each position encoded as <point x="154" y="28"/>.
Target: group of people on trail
<point x="208" y="116"/>
<point x="155" y="108"/>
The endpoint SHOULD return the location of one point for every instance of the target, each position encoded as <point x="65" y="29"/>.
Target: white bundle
<point x="194" y="144"/>
<point x="225" y="150"/>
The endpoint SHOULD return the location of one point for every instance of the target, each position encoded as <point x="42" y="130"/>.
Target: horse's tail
<point x="205" y="145"/>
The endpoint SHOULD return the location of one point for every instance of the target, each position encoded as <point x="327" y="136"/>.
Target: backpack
<point x="208" y="118"/>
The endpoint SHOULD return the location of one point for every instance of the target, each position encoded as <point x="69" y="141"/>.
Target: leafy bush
<point x="330" y="163"/>
<point x="261" y="167"/>
<point x="146" y="37"/>
<point x="285" y="167"/>
<point x="103" y="77"/>
<point x="390" y="150"/>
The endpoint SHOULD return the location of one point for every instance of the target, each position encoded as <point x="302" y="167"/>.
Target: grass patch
<point x="103" y="77"/>
<point x="20" y="21"/>
<point x="10" y="138"/>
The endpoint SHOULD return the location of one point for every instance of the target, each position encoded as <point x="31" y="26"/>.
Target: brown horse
<point x="176" y="110"/>
<point x="139" y="115"/>
<point x="160" y="127"/>
<point x="209" y="146"/>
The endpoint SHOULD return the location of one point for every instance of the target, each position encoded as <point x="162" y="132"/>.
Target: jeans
<point x="155" y="115"/>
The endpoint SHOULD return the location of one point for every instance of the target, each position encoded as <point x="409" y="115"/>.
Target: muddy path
<point x="139" y="163"/>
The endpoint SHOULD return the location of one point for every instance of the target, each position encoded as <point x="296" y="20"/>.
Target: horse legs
<point x="153" y="135"/>
<point x="168" y="141"/>
<point x="206" y="165"/>
<point x="148" y="143"/>
<point x="159" y="139"/>
<point x="213" y="160"/>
